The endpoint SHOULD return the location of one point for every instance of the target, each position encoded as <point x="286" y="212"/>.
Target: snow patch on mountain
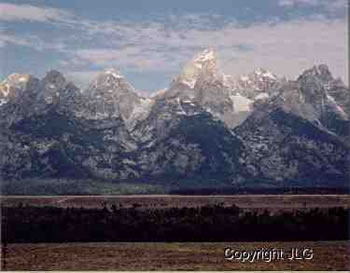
<point x="260" y="72"/>
<point x="204" y="56"/>
<point x="240" y="103"/>
<point x="23" y="79"/>
<point x="335" y="107"/>
<point x="5" y="89"/>
<point x="114" y="72"/>
<point x="142" y="109"/>
<point x="261" y="96"/>
<point x="158" y="93"/>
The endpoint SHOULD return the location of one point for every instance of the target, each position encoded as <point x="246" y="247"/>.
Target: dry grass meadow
<point x="258" y="201"/>
<point x="167" y="256"/>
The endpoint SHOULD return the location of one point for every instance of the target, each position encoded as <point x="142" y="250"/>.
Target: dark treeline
<point x="233" y="191"/>
<point x="209" y="223"/>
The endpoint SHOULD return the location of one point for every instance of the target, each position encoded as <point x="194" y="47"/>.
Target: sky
<point x="150" y="40"/>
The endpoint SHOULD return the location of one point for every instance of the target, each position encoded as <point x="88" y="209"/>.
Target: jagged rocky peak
<point x="203" y="65"/>
<point x="110" y="78"/>
<point x="114" y="72"/>
<point x="263" y="74"/>
<point x="259" y="84"/>
<point x="315" y="82"/>
<point x="320" y="72"/>
<point x="53" y="81"/>
<point x="54" y="76"/>
<point x="327" y="94"/>
<point x="110" y="86"/>
<point x="207" y="56"/>
<point x="17" y="86"/>
<point x="111" y="95"/>
<point x="111" y="82"/>
<point x="13" y="81"/>
<point x="318" y="84"/>
<point x="16" y="78"/>
<point x="258" y="75"/>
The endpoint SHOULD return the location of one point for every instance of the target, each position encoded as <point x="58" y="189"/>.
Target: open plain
<point x="168" y="256"/>
<point x="256" y="201"/>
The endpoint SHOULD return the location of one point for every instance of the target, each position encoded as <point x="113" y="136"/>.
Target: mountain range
<point x="207" y="129"/>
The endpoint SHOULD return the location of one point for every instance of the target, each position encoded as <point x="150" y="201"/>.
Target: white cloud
<point x="337" y="5"/>
<point x="132" y="57"/>
<point x="31" y="41"/>
<point x="13" y="12"/>
<point x="290" y="47"/>
<point x="330" y="6"/>
<point x="286" y="48"/>
<point x="291" y="3"/>
<point x="11" y="39"/>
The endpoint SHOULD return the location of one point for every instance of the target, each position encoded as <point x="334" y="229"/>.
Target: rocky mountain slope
<point x="206" y="129"/>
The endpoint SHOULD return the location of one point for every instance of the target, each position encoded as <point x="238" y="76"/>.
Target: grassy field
<point x="168" y="256"/>
<point x="270" y="202"/>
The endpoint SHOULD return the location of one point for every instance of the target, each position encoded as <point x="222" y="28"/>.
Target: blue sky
<point x="150" y="40"/>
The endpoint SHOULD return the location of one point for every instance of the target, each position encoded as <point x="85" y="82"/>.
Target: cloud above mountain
<point x="330" y="5"/>
<point x="151" y="46"/>
<point x="14" y="12"/>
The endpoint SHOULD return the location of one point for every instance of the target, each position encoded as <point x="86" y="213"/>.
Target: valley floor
<point x="272" y="202"/>
<point x="328" y="255"/>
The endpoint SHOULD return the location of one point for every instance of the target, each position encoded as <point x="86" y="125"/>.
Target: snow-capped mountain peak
<point x="205" y="56"/>
<point x="260" y="72"/>
<point x="16" y="78"/>
<point x="203" y="65"/>
<point x="13" y="82"/>
<point x="258" y="84"/>
<point x="111" y="81"/>
<point x="114" y="72"/>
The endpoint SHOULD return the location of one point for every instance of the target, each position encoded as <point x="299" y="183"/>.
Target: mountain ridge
<point x="207" y="126"/>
